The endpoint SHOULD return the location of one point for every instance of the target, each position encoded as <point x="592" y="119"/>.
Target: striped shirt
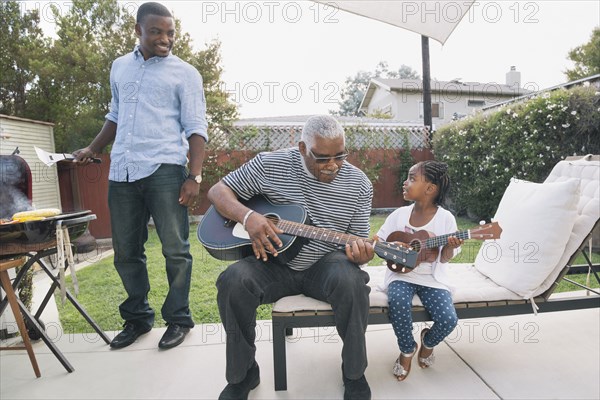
<point x="343" y="205"/>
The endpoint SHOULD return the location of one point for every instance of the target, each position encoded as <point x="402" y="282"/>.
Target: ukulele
<point x="428" y="246"/>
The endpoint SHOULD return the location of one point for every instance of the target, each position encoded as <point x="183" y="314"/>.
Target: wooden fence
<point x="377" y="150"/>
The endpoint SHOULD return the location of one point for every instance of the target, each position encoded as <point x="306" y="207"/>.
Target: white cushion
<point x="471" y="285"/>
<point x="536" y="221"/>
<point x="587" y="171"/>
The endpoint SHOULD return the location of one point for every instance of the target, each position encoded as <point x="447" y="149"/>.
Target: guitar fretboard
<point x="388" y="251"/>
<point x="312" y="232"/>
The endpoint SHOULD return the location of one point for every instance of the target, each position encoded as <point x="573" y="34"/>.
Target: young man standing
<point x="157" y="117"/>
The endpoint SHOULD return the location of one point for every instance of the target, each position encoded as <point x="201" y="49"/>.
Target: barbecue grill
<point x="35" y="240"/>
<point x="16" y="196"/>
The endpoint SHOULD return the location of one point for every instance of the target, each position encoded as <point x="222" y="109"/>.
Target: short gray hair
<point x="324" y="126"/>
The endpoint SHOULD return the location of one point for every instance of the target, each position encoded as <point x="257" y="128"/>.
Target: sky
<point x="285" y="58"/>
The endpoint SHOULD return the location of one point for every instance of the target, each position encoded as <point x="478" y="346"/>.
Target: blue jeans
<point x="243" y="286"/>
<point x="131" y="205"/>
<point x="437" y="302"/>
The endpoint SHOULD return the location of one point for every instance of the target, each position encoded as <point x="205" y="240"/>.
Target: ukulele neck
<point x="442" y="240"/>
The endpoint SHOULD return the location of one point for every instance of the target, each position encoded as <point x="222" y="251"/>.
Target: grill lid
<point x="15" y="185"/>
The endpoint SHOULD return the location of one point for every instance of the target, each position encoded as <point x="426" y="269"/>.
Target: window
<point x="437" y="110"/>
<point x="475" y="103"/>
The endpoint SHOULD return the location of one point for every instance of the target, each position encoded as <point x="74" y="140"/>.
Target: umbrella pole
<point x="427" y="120"/>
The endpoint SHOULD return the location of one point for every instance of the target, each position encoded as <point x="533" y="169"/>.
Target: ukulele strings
<point x="441" y="240"/>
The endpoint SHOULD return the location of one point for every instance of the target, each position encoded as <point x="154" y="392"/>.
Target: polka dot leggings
<point x="437" y="302"/>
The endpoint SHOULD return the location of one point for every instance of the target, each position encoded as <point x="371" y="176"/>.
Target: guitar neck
<point x="442" y="240"/>
<point x="311" y="232"/>
<point x="391" y="252"/>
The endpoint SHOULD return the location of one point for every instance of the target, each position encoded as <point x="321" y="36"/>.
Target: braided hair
<point x="436" y="172"/>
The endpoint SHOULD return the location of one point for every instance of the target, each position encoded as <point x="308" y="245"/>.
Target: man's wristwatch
<point x="197" y="178"/>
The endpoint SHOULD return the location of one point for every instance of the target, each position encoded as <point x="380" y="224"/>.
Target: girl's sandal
<point x="399" y="372"/>
<point x="425" y="362"/>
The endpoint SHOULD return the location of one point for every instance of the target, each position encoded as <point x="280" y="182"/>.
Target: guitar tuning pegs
<point x="482" y="222"/>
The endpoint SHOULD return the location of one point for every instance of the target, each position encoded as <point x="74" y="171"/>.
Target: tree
<point x="22" y="39"/>
<point x="66" y="80"/>
<point x="220" y="110"/>
<point x="586" y="58"/>
<point x="355" y="87"/>
<point x="72" y="89"/>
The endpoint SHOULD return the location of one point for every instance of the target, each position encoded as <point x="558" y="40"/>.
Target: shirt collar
<point x="137" y="53"/>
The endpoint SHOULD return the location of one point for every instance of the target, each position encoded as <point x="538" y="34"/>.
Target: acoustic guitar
<point x="228" y="240"/>
<point x="428" y="246"/>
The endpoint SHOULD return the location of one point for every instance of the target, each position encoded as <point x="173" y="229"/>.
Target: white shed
<point x="25" y="134"/>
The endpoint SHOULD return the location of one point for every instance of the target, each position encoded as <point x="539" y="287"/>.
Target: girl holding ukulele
<point x="426" y="186"/>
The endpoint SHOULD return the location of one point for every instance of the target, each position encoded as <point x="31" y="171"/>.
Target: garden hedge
<point x="523" y="140"/>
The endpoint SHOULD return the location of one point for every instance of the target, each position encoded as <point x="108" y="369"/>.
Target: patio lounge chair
<point x="545" y="226"/>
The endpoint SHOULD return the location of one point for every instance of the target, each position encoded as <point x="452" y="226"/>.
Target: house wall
<point x="24" y="134"/>
<point x="381" y="101"/>
<point x="406" y="106"/>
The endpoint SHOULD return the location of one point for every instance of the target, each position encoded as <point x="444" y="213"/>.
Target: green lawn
<point x="101" y="291"/>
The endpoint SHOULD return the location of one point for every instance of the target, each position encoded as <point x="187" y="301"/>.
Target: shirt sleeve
<point x="360" y="225"/>
<point x="193" y="106"/>
<point x="391" y="224"/>
<point x="447" y="225"/>
<point x="247" y="180"/>
<point x="113" y="113"/>
<point x="452" y="227"/>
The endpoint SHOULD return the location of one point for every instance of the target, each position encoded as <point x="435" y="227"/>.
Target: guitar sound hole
<point x="273" y="217"/>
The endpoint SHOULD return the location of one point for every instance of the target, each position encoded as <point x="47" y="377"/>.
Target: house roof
<point x="454" y="86"/>
<point x="446" y="87"/>
<point x="33" y="121"/>
<point x="299" y="120"/>
<point x="590" y="80"/>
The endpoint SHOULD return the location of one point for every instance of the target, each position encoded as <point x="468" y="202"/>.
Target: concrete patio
<point x="549" y="356"/>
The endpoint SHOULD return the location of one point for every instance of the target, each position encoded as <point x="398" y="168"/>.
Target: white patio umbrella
<point x="430" y="19"/>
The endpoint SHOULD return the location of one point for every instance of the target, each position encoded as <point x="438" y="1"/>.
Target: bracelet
<point x="246" y="218"/>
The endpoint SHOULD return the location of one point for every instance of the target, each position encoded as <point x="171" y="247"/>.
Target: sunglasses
<point x="325" y="160"/>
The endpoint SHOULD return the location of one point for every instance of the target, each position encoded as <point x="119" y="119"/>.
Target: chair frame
<point x="283" y="323"/>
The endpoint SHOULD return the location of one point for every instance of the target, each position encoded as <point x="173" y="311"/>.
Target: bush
<point x="522" y="140"/>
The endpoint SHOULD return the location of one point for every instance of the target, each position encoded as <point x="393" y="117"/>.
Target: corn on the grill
<point x="35" y="215"/>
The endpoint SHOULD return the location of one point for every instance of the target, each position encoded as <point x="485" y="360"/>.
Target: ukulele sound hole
<point x="416" y="245"/>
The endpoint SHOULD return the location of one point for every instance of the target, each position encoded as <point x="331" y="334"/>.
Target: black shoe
<point x="357" y="389"/>
<point x="129" y="334"/>
<point x="173" y="336"/>
<point x="240" y="391"/>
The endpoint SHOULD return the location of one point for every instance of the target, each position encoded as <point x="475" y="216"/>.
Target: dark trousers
<point x="248" y="283"/>
<point x="131" y="205"/>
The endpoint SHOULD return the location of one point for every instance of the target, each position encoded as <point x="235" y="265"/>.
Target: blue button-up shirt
<point x="157" y="105"/>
